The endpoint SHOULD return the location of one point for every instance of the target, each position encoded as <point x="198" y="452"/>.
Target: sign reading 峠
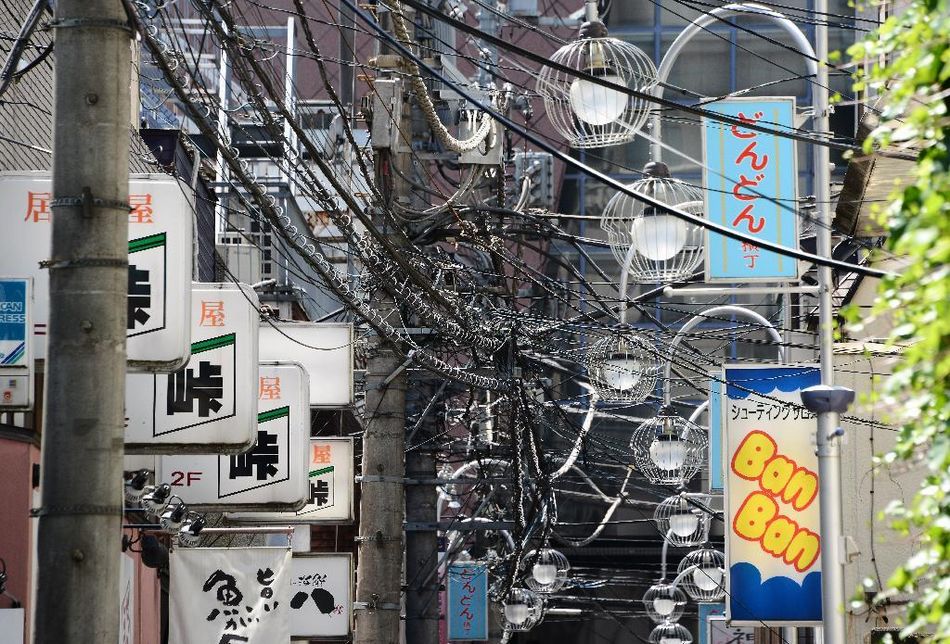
<point x="468" y="602"/>
<point x="272" y="475"/>
<point x="160" y="261"/>
<point x="773" y="544"/>
<point x="208" y="406"/>
<point x="751" y="185"/>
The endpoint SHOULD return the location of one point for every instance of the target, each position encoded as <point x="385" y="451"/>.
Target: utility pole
<point x="80" y="521"/>
<point x="422" y="544"/>
<point x="827" y="400"/>
<point x="382" y="504"/>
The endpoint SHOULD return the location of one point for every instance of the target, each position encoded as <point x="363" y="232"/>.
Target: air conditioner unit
<point x="243" y="261"/>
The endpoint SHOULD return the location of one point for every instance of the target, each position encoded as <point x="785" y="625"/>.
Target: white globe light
<point x="595" y="104"/>
<point x="516" y="613"/>
<point x="622" y="373"/>
<point x="684" y="524"/>
<point x="544" y="574"/>
<point x="707" y="578"/>
<point x="664" y="605"/>
<point x="671" y="640"/>
<point x="668" y="454"/>
<point x="658" y="237"/>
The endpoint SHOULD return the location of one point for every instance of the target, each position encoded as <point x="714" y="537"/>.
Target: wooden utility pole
<point x="80" y="521"/>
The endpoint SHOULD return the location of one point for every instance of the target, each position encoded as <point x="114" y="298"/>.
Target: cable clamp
<point x="377" y="537"/>
<point x="85" y="262"/>
<point x="74" y="510"/>
<point x="99" y="23"/>
<point x="375" y="604"/>
<point x="88" y="200"/>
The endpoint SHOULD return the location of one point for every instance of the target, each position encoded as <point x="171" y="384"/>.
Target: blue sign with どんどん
<point x="14" y="334"/>
<point x="467" y="609"/>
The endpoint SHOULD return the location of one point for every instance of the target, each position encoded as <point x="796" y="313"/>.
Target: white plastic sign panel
<point x="12" y="622"/>
<point x="127" y="600"/>
<point x="16" y="344"/>
<point x="324" y="350"/>
<point x="331" y="487"/>
<point x="270" y="476"/>
<point x="321" y="595"/>
<point x="209" y="406"/>
<point x="160" y="261"/>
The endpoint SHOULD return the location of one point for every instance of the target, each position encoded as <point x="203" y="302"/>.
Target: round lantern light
<point x="655" y="247"/>
<point x="549" y="572"/>
<point x="670" y="633"/>
<point x="664" y="602"/>
<point x="522" y="610"/>
<point x="668" y="449"/>
<point x="623" y="368"/>
<point x="586" y="113"/>
<point x="700" y="574"/>
<point x="681" y="520"/>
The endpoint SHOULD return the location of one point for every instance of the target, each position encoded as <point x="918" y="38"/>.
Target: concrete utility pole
<point x="80" y="521"/>
<point x="382" y="506"/>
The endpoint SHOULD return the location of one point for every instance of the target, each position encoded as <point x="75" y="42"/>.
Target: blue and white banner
<point x="468" y="602"/>
<point x="751" y="185"/>
<point x="773" y="544"/>
<point x="14" y="301"/>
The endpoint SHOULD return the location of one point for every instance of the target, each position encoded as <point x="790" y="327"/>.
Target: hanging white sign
<point x="321" y="595"/>
<point x="324" y="350"/>
<point x="208" y="406"/>
<point x="330" y="499"/>
<point x="160" y="264"/>
<point x="229" y="595"/>
<point x="127" y="601"/>
<point x="273" y="474"/>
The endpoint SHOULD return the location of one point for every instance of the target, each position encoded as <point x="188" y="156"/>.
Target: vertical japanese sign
<point x="706" y="611"/>
<point x="751" y="185"/>
<point x="127" y="601"/>
<point x="229" y="595"/>
<point x="716" y="630"/>
<point x="324" y="350"/>
<point x="321" y="595"/>
<point x="773" y="544"/>
<point x="330" y="496"/>
<point x="16" y="344"/>
<point x="209" y="405"/>
<point x="160" y="262"/>
<point x="272" y="475"/>
<point x="467" y="611"/>
<point x="716" y="470"/>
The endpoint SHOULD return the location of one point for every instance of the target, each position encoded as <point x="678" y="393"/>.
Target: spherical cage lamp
<point x="664" y="602"/>
<point x="548" y="574"/>
<point x="703" y="578"/>
<point x="522" y="610"/>
<point x="653" y="246"/>
<point x="683" y="523"/>
<point x="670" y="633"/>
<point x="623" y="368"/>
<point x="585" y="113"/>
<point x="668" y="449"/>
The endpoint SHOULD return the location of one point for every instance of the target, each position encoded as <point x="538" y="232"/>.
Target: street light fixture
<point x="522" y="610"/>
<point x="623" y="368"/>
<point x="668" y="449"/>
<point x="681" y="521"/>
<point x="700" y="574"/>
<point x="670" y="633"/>
<point x="654" y="247"/>
<point x="588" y="114"/>
<point x="664" y="602"/>
<point x="549" y="573"/>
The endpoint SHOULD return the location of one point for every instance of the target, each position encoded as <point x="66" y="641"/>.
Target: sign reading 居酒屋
<point x="160" y="262"/>
<point x="467" y="602"/>
<point x="272" y="475"/>
<point x="751" y="186"/>
<point x="773" y="542"/>
<point x="209" y="406"/>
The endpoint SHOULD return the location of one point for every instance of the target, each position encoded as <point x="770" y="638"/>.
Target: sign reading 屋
<point x="273" y="474"/>
<point x="751" y="182"/>
<point x="773" y="544"/>
<point x="160" y="263"/>
<point x="208" y="406"/>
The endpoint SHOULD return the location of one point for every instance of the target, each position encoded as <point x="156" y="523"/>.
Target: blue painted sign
<point x="467" y="609"/>
<point x="773" y="540"/>
<point x="707" y="610"/>
<point x="14" y="335"/>
<point x="751" y="185"/>
<point x="715" y="434"/>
